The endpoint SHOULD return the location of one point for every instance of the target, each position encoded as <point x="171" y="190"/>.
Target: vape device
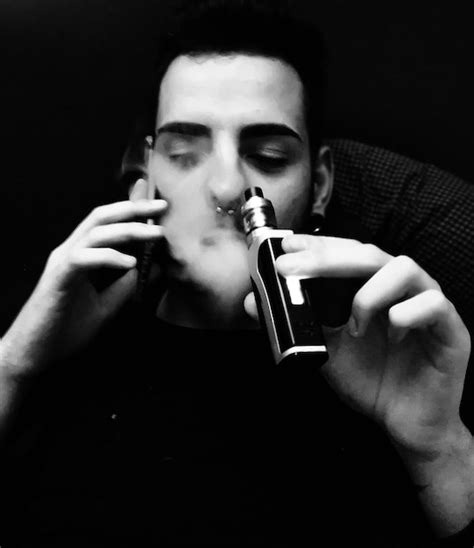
<point x="136" y="165"/>
<point x="144" y="262"/>
<point x="284" y="304"/>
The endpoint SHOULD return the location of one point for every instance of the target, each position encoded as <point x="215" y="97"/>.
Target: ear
<point x="323" y="180"/>
<point x="138" y="190"/>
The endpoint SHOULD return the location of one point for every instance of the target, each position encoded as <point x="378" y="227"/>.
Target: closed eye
<point x="183" y="159"/>
<point x="268" y="161"/>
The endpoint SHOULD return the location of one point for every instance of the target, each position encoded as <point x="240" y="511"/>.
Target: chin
<point x="208" y="285"/>
<point x="209" y="299"/>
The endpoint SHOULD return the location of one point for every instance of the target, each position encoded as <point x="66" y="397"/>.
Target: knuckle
<point x="95" y="233"/>
<point x="55" y="254"/>
<point x="362" y="302"/>
<point x="371" y="251"/>
<point x="98" y="213"/>
<point x="56" y="257"/>
<point x="406" y="264"/>
<point x="438" y="301"/>
<point x="74" y="258"/>
<point x="437" y="286"/>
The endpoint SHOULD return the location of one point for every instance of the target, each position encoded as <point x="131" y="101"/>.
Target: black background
<point x="72" y="70"/>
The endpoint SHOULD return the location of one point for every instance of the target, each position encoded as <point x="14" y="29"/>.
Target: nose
<point x="227" y="180"/>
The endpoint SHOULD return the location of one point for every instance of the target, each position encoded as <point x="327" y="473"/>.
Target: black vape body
<point x="284" y="304"/>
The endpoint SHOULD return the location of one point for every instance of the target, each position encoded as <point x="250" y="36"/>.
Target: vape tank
<point x="283" y="304"/>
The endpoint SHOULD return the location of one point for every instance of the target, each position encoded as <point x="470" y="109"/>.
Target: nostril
<point x="227" y="182"/>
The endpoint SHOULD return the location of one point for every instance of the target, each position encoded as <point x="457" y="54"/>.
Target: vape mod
<point x="284" y="304"/>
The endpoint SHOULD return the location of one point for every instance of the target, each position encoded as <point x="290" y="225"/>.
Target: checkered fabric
<point x="412" y="208"/>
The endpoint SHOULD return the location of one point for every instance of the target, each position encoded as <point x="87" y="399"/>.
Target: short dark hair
<point x="268" y="28"/>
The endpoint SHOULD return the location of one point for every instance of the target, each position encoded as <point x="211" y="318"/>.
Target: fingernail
<point x="296" y="242"/>
<point x="352" y="327"/>
<point x="130" y="261"/>
<point x="284" y="264"/>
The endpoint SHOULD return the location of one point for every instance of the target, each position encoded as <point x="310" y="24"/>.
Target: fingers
<point x="397" y="285"/>
<point x="413" y="301"/>
<point x="91" y="245"/>
<point x="320" y="256"/>
<point x="119" y="212"/>
<point x="399" y="279"/>
<point x="95" y="258"/>
<point x="431" y="309"/>
<point x="121" y="233"/>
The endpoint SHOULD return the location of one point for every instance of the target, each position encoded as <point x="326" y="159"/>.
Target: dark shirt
<point x="165" y="436"/>
<point x="168" y="436"/>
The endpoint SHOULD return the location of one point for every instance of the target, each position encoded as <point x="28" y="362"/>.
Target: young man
<point x="177" y="429"/>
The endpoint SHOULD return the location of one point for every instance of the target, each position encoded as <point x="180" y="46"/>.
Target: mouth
<point x="225" y="226"/>
<point x="229" y="218"/>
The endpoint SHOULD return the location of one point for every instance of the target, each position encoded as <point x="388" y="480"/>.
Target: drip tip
<point x="253" y="191"/>
<point x="257" y="212"/>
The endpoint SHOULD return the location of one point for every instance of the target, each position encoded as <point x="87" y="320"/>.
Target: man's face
<point x="226" y="123"/>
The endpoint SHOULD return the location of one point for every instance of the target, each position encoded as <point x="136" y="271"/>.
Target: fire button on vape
<point x="294" y="289"/>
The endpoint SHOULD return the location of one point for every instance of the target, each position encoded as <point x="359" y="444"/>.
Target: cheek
<point x="165" y="180"/>
<point x="181" y="190"/>
<point x="292" y="206"/>
<point x="294" y="214"/>
<point x="188" y="215"/>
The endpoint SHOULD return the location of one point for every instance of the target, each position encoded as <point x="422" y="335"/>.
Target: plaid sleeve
<point x="415" y="209"/>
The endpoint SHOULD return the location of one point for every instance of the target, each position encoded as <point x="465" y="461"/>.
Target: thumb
<point x="250" y="306"/>
<point x="116" y="295"/>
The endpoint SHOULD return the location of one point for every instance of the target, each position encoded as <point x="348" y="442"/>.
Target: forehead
<point x="232" y="90"/>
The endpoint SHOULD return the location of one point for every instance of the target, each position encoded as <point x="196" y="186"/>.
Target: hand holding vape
<point x="284" y="304"/>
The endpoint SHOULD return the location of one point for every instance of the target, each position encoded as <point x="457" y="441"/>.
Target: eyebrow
<point x="248" y="132"/>
<point x="268" y="130"/>
<point x="184" y="128"/>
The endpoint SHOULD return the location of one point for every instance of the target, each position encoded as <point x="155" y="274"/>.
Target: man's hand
<point x="66" y="309"/>
<point x="401" y="359"/>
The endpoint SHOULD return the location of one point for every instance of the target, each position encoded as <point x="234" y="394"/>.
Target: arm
<point x="8" y="390"/>
<point x="67" y="308"/>
<point x="401" y="360"/>
<point x="445" y="481"/>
